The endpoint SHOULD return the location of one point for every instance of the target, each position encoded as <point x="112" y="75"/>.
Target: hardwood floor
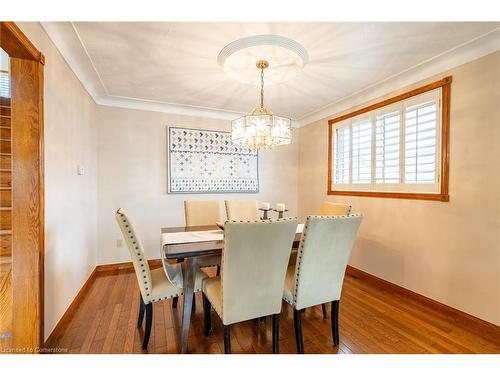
<point x="5" y="302"/>
<point x="372" y="320"/>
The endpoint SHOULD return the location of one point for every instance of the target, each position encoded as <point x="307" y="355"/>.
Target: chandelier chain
<point x="262" y="87"/>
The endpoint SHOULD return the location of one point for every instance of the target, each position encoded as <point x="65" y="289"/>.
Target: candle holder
<point x="265" y="216"/>
<point x="280" y="213"/>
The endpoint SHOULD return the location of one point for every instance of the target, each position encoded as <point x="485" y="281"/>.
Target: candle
<point x="265" y="205"/>
<point x="280" y="207"/>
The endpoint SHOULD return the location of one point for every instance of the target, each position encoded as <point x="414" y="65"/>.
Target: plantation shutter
<point x="4" y="84"/>
<point x="387" y="148"/>
<point x="361" y="152"/>
<point x="342" y="155"/>
<point x="420" y="143"/>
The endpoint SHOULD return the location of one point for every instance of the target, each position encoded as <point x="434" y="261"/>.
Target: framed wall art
<point x="206" y="161"/>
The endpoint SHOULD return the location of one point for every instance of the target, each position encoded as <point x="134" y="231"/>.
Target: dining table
<point x="187" y="245"/>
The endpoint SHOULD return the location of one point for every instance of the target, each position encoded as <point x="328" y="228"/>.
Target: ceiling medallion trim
<point x="286" y="57"/>
<point x="263" y="40"/>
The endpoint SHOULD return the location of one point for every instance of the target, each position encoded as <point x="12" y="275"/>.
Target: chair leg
<point x="276" y="333"/>
<point x="323" y="307"/>
<point x="194" y="304"/>
<point x="298" y="331"/>
<point x="149" y="323"/>
<point x="142" y="306"/>
<point x="218" y="271"/>
<point x="207" y="313"/>
<point x="175" y="301"/>
<point x="227" y="340"/>
<point x="335" y="322"/>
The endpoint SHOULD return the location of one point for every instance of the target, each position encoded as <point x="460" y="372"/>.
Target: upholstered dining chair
<point x="334" y="209"/>
<point x="254" y="263"/>
<point x="318" y="274"/>
<point x="154" y="285"/>
<point x="327" y="209"/>
<point x="241" y="210"/>
<point x="200" y="213"/>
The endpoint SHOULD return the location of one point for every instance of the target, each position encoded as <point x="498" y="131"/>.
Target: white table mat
<point x="200" y="236"/>
<point x="188" y="237"/>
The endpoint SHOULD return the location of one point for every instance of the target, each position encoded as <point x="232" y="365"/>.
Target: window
<point x="4" y="74"/>
<point x="397" y="148"/>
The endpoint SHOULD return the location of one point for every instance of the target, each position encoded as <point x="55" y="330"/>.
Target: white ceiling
<point x="175" y="64"/>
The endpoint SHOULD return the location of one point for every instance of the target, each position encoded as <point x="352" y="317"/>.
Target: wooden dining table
<point x="189" y="253"/>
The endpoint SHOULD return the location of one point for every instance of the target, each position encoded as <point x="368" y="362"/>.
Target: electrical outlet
<point x="119" y="243"/>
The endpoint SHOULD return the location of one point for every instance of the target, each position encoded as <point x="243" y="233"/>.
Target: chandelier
<point x="261" y="128"/>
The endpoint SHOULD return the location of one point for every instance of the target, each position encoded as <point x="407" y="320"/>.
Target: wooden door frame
<point x="27" y="66"/>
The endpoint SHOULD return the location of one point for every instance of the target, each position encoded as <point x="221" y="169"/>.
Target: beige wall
<point x="449" y="252"/>
<point x="70" y="199"/>
<point x="133" y="174"/>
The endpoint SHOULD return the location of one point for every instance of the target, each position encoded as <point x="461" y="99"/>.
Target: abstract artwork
<point x="206" y="161"/>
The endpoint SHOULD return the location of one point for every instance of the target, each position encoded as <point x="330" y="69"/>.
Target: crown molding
<point x="67" y="40"/>
<point x="157" y="106"/>
<point x="473" y="49"/>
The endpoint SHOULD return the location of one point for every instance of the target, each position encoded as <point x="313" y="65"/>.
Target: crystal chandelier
<point x="261" y="128"/>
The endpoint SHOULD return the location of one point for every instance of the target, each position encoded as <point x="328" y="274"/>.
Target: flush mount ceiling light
<point x="261" y="128"/>
<point x="286" y="57"/>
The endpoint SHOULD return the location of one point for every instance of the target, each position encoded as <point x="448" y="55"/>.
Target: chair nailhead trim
<point x="301" y="248"/>
<point x="140" y="259"/>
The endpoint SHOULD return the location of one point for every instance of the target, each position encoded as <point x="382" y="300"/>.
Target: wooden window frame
<point x="443" y="195"/>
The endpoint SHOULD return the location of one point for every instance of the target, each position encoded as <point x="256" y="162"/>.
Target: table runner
<point x="200" y="236"/>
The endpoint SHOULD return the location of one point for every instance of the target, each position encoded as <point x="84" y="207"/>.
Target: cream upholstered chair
<point x="334" y="209"/>
<point x="201" y="213"/>
<point x="318" y="274"/>
<point x="254" y="263"/>
<point x="328" y="209"/>
<point x="154" y="285"/>
<point x="241" y="210"/>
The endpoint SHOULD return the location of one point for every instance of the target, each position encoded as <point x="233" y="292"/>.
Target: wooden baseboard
<point x="125" y="266"/>
<point x="62" y="324"/>
<point x="458" y="315"/>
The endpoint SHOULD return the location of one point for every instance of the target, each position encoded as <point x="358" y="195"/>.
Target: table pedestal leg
<point x="189" y="273"/>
